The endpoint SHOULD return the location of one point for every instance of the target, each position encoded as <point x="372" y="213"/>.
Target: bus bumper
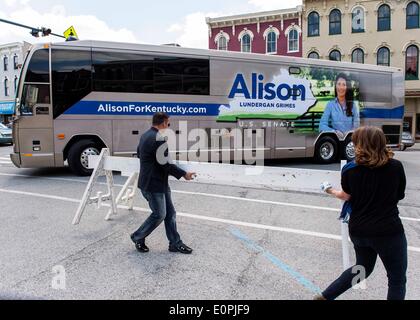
<point x="15" y="157"/>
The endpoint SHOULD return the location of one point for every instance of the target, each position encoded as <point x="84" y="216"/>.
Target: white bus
<point x="75" y="98"/>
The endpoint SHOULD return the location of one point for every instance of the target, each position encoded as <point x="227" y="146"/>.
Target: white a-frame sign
<point x="104" y="165"/>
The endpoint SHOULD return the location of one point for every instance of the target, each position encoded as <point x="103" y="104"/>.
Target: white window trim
<point x="287" y="34"/>
<point x="265" y="35"/>
<point x="218" y="36"/>
<point x="242" y="34"/>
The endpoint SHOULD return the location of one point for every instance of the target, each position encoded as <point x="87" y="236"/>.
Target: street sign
<point x="70" y="32"/>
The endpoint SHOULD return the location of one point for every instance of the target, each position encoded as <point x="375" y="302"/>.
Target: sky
<point x="138" y="21"/>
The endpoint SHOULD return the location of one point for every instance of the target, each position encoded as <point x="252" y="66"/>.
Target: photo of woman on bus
<point x="341" y="114"/>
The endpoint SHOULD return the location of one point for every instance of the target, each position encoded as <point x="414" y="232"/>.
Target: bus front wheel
<point x="326" y="150"/>
<point x="78" y="156"/>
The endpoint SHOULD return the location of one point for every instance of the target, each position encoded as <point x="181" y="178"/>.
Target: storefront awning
<point x="7" y="108"/>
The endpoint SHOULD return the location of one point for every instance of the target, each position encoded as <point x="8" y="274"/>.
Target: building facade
<point x="385" y="32"/>
<point x="275" y="32"/>
<point x="11" y="56"/>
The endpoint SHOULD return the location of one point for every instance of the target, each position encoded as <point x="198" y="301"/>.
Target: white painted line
<point x="206" y="218"/>
<point x="40" y="195"/>
<point x="285" y="204"/>
<point x="5" y="162"/>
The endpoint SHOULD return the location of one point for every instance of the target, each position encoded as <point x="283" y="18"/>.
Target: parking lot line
<point x="286" y="204"/>
<point x="199" y="217"/>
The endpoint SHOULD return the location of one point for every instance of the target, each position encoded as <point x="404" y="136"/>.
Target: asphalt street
<point x="248" y="243"/>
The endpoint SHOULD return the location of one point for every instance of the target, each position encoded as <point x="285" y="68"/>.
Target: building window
<point x="15" y="62"/>
<point x="412" y="63"/>
<point x="293" y="42"/>
<point x="358" y="56"/>
<point x="384" y="18"/>
<point x="272" y="42"/>
<point x="313" y="24"/>
<point x="413" y="18"/>
<point x="313" y="55"/>
<point x="16" y="83"/>
<point x="5" y="63"/>
<point x="335" y="22"/>
<point x="358" y="20"/>
<point x="246" y="43"/>
<point x="383" y="58"/>
<point x="222" y="44"/>
<point x="335" y="55"/>
<point x="6" y="87"/>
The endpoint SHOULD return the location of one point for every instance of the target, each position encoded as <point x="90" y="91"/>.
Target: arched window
<point x="313" y="55"/>
<point x="335" y="55"/>
<point x="358" y="20"/>
<point x="246" y="43"/>
<point x="16" y="83"/>
<point x="15" y="62"/>
<point x="293" y="41"/>
<point x="6" y="87"/>
<point x="271" y="42"/>
<point x="335" y="22"/>
<point x="313" y="24"/>
<point x="358" y="56"/>
<point x="5" y="63"/>
<point x="383" y="57"/>
<point x="412" y="63"/>
<point x="384" y="18"/>
<point x="222" y="43"/>
<point x="413" y="18"/>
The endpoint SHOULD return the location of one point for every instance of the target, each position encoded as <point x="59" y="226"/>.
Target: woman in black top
<point x="373" y="187"/>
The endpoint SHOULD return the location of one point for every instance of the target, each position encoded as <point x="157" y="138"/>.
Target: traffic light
<point x="45" y="31"/>
<point x="35" y="33"/>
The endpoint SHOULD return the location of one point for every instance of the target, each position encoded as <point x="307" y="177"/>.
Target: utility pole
<point x="34" y="31"/>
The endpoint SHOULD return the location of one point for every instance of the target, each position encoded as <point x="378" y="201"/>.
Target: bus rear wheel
<point x="326" y="150"/>
<point x="78" y="156"/>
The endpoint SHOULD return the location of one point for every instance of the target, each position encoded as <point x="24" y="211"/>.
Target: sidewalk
<point x="416" y="147"/>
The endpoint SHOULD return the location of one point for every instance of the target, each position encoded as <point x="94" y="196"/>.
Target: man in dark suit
<point x="155" y="168"/>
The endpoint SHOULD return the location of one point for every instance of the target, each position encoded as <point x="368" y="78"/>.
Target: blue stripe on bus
<point x="371" y="113"/>
<point x="142" y="108"/>
<point x="190" y="109"/>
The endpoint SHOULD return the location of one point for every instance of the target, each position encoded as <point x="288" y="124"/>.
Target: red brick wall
<point x="258" y="43"/>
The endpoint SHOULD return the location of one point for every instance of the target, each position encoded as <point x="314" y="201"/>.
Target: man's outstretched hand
<point x="190" y="176"/>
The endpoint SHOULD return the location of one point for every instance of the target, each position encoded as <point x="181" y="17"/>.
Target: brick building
<point x="275" y="32"/>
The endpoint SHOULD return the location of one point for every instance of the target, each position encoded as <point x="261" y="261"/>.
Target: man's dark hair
<point x="159" y="118"/>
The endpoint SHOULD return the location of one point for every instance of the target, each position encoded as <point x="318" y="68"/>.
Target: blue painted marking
<point x="276" y="261"/>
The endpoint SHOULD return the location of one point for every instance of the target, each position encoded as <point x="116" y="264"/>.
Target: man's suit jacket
<point x="154" y="172"/>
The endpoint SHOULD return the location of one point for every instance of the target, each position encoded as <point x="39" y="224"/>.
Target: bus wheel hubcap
<point x="350" y="152"/>
<point x="85" y="154"/>
<point x="327" y="151"/>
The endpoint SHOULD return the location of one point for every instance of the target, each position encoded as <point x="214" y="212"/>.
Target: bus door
<point x="35" y="124"/>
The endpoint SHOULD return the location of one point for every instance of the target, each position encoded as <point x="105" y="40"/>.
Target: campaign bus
<point x="75" y="98"/>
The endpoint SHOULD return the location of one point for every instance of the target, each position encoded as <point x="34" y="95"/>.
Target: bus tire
<point x="326" y="150"/>
<point x="348" y="151"/>
<point x="77" y="156"/>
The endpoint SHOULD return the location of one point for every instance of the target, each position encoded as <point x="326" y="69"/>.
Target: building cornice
<point x="261" y="17"/>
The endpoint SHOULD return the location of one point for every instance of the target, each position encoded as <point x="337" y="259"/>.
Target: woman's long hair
<point x="349" y="93"/>
<point x="370" y="146"/>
